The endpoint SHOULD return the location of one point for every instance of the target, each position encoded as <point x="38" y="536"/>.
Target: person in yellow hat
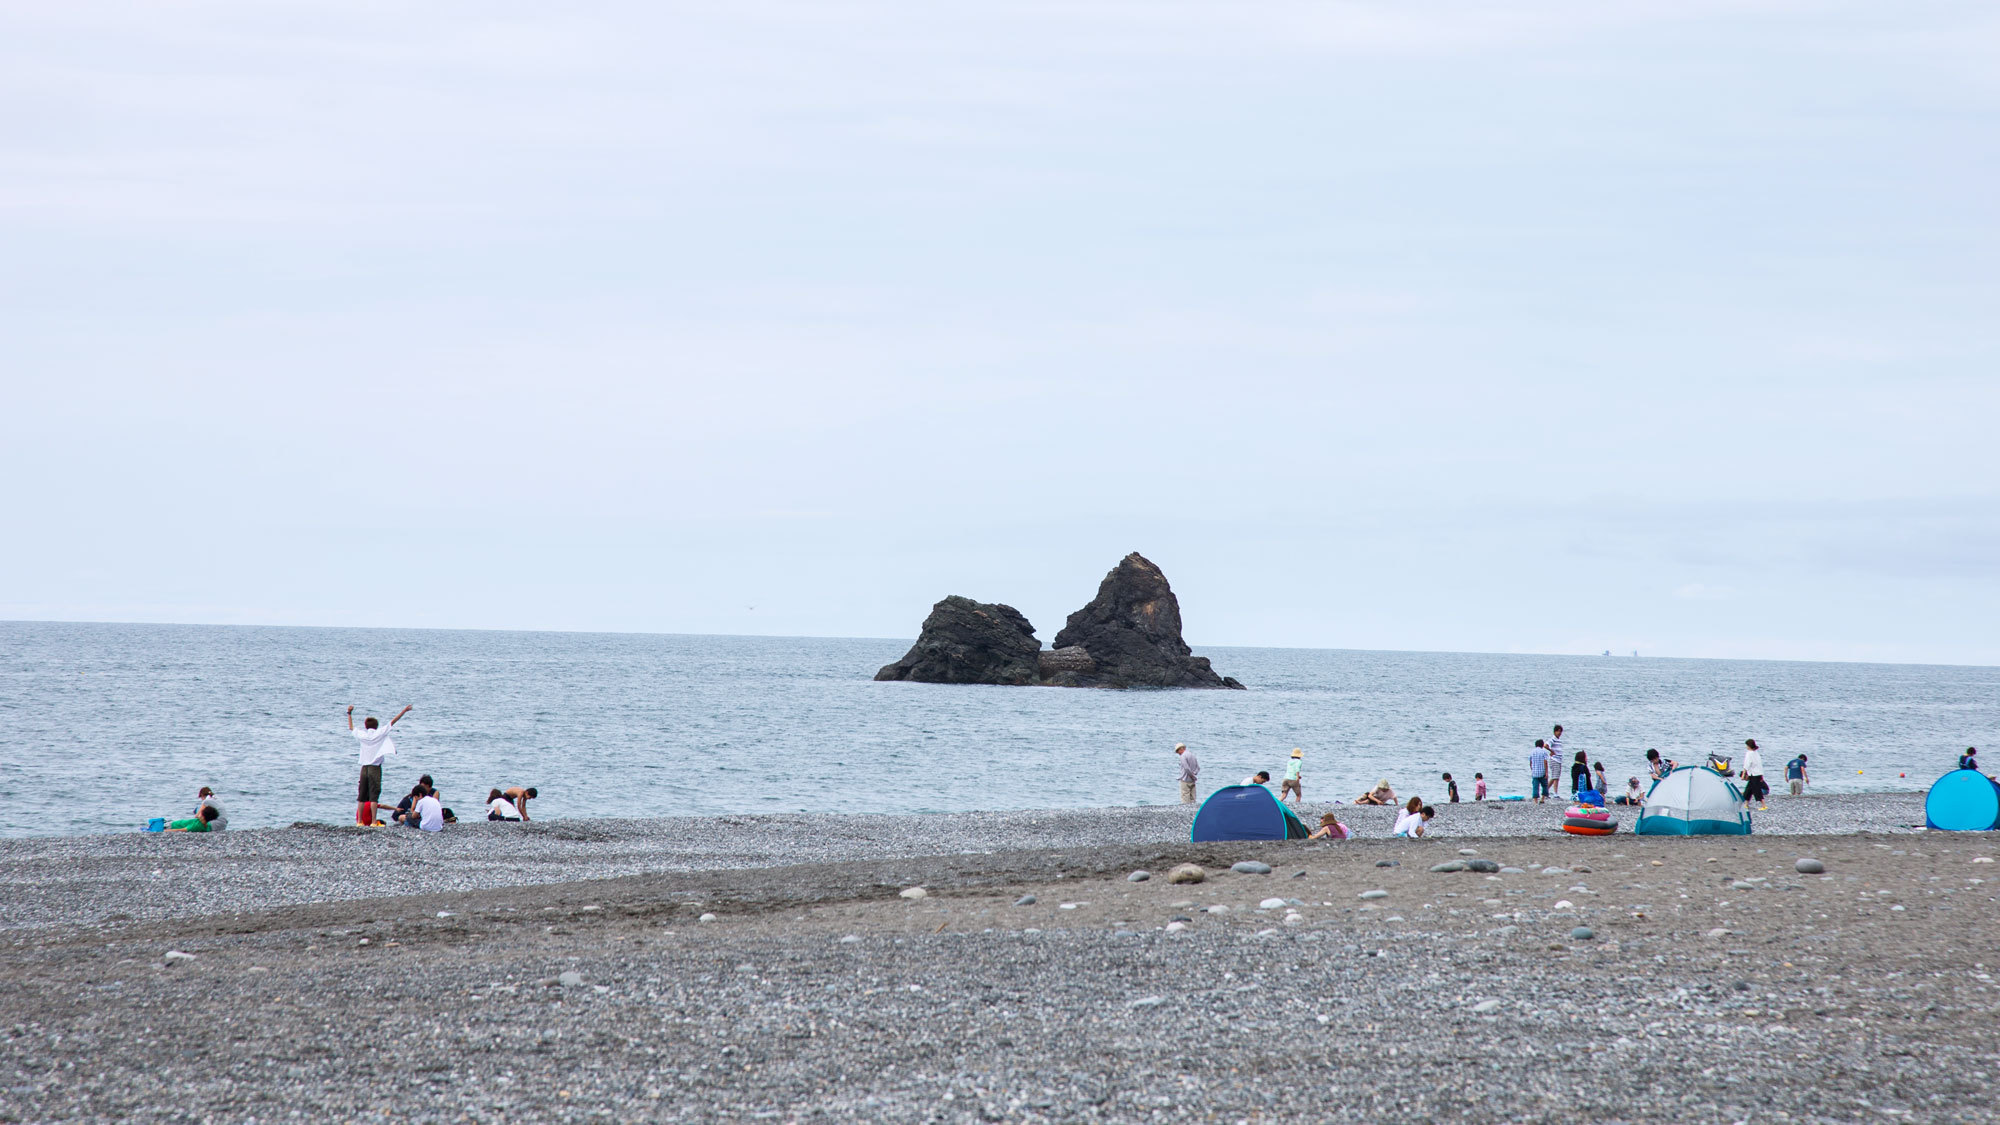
<point x="1293" y="784"/>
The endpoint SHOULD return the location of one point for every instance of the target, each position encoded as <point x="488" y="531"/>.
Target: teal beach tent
<point x="1694" y="801"/>
<point x="1962" y="801"/>
<point x="1245" y="812"/>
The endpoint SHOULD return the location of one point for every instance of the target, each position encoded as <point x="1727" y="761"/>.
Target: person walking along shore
<point x="375" y="746"/>
<point x="1293" y="783"/>
<point x="1190" y="771"/>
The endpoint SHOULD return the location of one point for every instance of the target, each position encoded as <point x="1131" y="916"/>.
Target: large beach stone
<point x="1138" y="876"/>
<point x="1484" y="866"/>
<point x="913" y="892"/>
<point x="1187" y="873"/>
<point x="1582" y="933"/>
<point x="1130" y="634"/>
<point x="1250" y="867"/>
<point x="969" y="642"/>
<point x="1025" y="900"/>
<point x="1809" y="867"/>
<point x="1447" y="866"/>
<point x="1371" y="895"/>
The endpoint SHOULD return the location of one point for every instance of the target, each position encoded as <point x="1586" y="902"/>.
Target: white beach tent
<point x="1694" y="801"/>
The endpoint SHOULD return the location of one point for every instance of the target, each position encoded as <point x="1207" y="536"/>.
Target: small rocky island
<point x="1129" y="636"/>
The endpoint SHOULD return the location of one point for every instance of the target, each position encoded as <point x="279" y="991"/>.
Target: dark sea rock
<point x="968" y="642"/>
<point x="1131" y="633"/>
<point x="1129" y="636"/>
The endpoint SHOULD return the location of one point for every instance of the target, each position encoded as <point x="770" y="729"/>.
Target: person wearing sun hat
<point x="1293" y="783"/>
<point x="1380" y="795"/>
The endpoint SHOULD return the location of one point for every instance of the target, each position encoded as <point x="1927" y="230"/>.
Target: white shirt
<point x="375" y="744"/>
<point x="430" y="813"/>
<point x="1251" y="780"/>
<point x="504" y="807"/>
<point x="1408" y="823"/>
<point x="1753" y="764"/>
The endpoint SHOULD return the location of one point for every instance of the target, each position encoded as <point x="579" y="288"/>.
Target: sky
<point x="1538" y="327"/>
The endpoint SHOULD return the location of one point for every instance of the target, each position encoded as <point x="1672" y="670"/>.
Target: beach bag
<point x="157" y="824"/>
<point x="1590" y="797"/>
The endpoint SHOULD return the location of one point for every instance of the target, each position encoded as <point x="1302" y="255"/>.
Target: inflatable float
<point x="1587" y="820"/>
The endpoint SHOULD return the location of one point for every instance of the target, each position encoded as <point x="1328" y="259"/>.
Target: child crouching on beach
<point x="1330" y="828"/>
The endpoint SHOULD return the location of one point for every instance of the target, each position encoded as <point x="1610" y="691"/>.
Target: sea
<point x="108" y="725"/>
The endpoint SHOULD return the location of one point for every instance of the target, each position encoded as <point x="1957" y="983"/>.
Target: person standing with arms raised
<point x="375" y="746"/>
<point x="1190" y="771"/>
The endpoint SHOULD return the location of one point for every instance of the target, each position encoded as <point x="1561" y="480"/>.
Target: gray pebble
<point x="1388" y="863"/>
<point x="1251" y="867"/>
<point x="1582" y="933"/>
<point x="1025" y="900"/>
<point x="1298" y="874"/>
<point x="1809" y="867"/>
<point x="1485" y="866"/>
<point x="1374" y="894"/>
<point x="1138" y="876"/>
<point x="1448" y="866"/>
<point x="571" y="979"/>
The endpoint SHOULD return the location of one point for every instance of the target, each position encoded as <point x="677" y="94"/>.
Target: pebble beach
<point x="146" y="877"/>
<point x="1006" y="967"/>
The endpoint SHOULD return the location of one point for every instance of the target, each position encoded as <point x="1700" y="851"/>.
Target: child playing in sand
<point x="1479" y="787"/>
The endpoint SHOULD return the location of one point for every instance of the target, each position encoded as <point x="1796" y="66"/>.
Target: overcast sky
<point x="1548" y="327"/>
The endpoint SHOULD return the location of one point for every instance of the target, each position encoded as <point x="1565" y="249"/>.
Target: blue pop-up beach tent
<point x="1693" y="801"/>
<point x="1245" y="812"/>
<point x="1963" y="801"/>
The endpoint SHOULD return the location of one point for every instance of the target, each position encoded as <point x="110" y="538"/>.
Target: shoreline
<point x="147" y="877"/>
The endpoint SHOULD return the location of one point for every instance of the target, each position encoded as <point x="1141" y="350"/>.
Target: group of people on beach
<point x="422" y="808"/>
<point x="1588" y="780"/>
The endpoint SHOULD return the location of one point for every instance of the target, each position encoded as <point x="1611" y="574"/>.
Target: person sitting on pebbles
<point x="1330" y="828"/>
<point x="206" y="799"/>
<point x="201" y="822"/>
<point x="1380" y="795"/>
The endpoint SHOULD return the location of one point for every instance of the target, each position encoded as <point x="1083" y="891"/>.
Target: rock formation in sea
<point x="1128" y="636"/>
<point x="968" y="642"/>
<point x="1131" y="634"/>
